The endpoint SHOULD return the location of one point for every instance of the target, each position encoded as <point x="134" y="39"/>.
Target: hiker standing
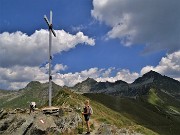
<point x="87" y="113"/>
<point x="32" y="106"/>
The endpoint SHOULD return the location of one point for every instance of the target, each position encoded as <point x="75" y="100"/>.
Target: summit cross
<point x="51" y="30"/>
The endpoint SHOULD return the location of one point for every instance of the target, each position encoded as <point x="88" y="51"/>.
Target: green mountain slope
<point x="34" y="91"/>
<point x="144" y="113"/>
<point x="163" y="100"/>
<point x="102" y="113"/>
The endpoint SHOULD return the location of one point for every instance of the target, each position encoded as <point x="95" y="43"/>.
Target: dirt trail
<point x="93" y="131"/>
<point x="96" y="126"/>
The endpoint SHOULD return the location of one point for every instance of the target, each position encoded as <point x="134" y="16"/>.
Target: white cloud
<point x="20" y="49"/>
<point x="70" y="79"/>
<point x="108" y="72"/>
<point x="21" y="55"/>
<point x="169" y="65"/>
<point x="124" y="75"/>
<point x="59" y="67"/>
<point x="100" y="75"/>
<point x="18" y="77"/>
<point x="153" y="23"/>
<point x="78" y="28"/>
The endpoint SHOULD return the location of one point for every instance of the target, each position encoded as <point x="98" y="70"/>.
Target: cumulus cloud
<point x="20" y="49"/>
<point x="21" y="55"/>
<point x="18" y="77"/>
<point x="70" y="79"/>
<point x="100" y="75"/>
<point x="124" y="75"/>
<point x="169" y="65"/>
<point x="59" y="67"/>
<point x="153" y="23"/>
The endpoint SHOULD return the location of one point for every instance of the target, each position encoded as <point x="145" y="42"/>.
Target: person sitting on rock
<point x="87" y="113"/>
<point x="32" y="106"/>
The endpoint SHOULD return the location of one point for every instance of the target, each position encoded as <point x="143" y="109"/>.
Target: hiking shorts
<point x="86" y="117"/>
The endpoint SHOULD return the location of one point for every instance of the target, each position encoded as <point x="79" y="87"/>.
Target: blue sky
<point x="107" y="40"/>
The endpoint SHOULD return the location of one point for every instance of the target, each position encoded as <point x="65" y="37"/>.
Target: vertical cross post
<point x="51" y="30"/>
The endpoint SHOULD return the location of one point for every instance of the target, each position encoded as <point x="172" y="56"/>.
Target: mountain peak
<point x="33" y="84"/>
<point x="90" y="80"/>
<point x="152" y="74"/>
<point x="120" y="82"/>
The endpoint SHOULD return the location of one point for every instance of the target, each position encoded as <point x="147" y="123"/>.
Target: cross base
<point x="50" y="110"/>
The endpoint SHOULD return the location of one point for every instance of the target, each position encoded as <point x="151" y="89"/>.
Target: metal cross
<point x="51" y="30"/>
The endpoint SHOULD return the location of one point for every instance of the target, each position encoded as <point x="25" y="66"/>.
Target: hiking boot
<point x="87" y="133"/>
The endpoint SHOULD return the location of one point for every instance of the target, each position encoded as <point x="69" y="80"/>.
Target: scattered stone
<point x="68" y="109"/>
<point x="1" y="110"/>
<point x="107" y="129"/>
<point x="3" y="115"/>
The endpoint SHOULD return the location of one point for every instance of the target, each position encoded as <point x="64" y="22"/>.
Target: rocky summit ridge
<point x="140" y="86"/>
<point x="20" y="122"/>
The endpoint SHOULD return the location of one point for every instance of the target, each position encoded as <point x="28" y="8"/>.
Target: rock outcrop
<point x="13" y="122"/>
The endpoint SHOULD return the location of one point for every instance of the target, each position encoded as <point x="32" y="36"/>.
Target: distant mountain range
<point x="151" y="101"/>
<point x="140" y="86"/>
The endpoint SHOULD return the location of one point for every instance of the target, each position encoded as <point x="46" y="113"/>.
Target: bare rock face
<point x="22" y="123"/>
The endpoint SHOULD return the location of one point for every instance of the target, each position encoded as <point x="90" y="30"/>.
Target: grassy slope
<point x="162" y="100"/>
<point x="101" y="112"/>
<point x="6" y="96"/>
<point x="142" y="112"/>
<point x="35" y="91"/>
